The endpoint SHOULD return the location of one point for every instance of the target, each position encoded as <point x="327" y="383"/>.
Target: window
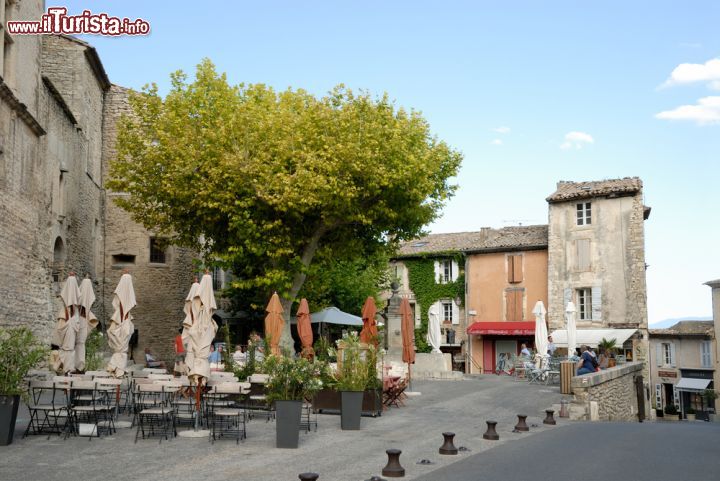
<point x="514" y="268"/>
<point x="446" y="271"/>
<point x="584" y="297"/>
<point x="667" y="354"/>
<point x="583" y="213"/>
<point x="123" y="259"/>
<point x="514" y="304"/>
<point x="583" y="254"/>
<point x="157" y="252"/>
<point x="447" y="310"/>
<point x="705" y="354"/>
<point x="217" y="278"/>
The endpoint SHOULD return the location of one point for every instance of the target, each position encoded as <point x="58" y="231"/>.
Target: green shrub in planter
<point x="20" y="351"/>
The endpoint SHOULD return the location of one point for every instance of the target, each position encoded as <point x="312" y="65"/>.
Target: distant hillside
<point x="664" y="324"/>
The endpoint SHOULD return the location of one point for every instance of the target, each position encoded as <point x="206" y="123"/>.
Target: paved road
<point x="459" y="406"/>
<point x="599" y="452"/>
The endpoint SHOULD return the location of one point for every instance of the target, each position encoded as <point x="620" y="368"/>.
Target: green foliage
<point x="354" y="369"/>
<point x="345" y="283"/>
<point x="261" y="181"/>
<point x="293" y="379"/>
<point x="671" y="409"/>
<point x="421" y="277"/>
<point x="324" y="350"/>
<point x="227" y="354"/>
<point x="709" y="395"/>
<point x="609" y="346"/>
<point x="20" y="351"/>
<point x="94" y="347"/>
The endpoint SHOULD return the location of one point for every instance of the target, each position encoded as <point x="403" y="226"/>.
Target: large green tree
<point x="263" y="180"/>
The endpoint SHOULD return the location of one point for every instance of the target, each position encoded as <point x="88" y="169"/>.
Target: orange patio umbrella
<point x="304" y="329"/>
<point x="369" y="332"/>
<point x="274" y="323"/>
<point x="407" y="326"/>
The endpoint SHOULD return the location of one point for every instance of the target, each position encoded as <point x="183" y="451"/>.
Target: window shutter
<point x="438" y="274"/>
<point x="517" y="269"/>
<point x="455" y="270"/>
<point x="596" y="303"/>
<point x="519" y="305"/>
<point x="583" y="254"/>
<point x="672" y="354"/>
<point x="509" y="306"/>
<point x="659" y="354"/>
<point x="418" y="321"/>
<point x="455" y="313"/>
<point x="676" y="395"/>
<point x="510" y="269"/>
<point x="658" y="396"/>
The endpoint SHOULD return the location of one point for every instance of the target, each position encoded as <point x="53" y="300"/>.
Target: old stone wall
<point x="608" y="395"/>
<point x="160" y="288"/>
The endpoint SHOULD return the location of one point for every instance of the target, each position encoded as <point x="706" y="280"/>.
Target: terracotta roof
<point x="567" y="190"/>
<point x="686" y="328"/>
<point x="485" y="240"/>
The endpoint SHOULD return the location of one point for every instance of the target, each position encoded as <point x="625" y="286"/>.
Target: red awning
<point x="502" y="328"/>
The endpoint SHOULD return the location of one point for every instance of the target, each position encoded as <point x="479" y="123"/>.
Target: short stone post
<point x="549" y="419"/>
<point x="448" y="447"/>
<point x="522" y="425"/>
<point x="491" y="434"/>
<point x="393" y="469"/>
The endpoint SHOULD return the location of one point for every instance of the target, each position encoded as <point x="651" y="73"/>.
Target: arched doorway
<point x="58" y="266"/>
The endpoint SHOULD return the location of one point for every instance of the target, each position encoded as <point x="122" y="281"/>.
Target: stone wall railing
<point x="608" y="395"/>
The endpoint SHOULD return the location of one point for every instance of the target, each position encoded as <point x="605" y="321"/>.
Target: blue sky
<point x="536" y="71"/>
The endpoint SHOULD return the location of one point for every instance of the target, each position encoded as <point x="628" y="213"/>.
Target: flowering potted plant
<point x="292" y="380"/>
<point x="20" y="351"/>
<point x="355" y="366"/>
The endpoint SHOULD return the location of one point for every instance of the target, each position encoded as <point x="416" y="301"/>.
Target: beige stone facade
<point x="58" y="117"/>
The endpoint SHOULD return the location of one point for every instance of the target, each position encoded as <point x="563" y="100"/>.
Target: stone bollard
<point x="521" y="425"/>
<point x="393" y="469"/>
<point x="448" y="447"/>
<point x="491" y="434"/>
<point x="564" y="409"/>
<point x="549" y="419"/>
<point x="308" y="476"/>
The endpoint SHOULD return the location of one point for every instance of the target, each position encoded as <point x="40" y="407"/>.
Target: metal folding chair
<point x="47" y="404"/>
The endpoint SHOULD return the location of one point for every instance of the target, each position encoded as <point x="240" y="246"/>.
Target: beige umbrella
<point x="87" y="321"/>
<point x="190" y="317"/>
<point x="274" y="323"/>
<point x="202" y="332"/>
<point x="68" y="324"/>
<point x="200" y="336"/>
<point x="121" y="326"/>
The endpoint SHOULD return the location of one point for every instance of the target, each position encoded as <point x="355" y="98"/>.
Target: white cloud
<point x="496" y="142"/>
<point x="501" y="130"/>
<point x="576" y="140"/>
<point x="705" y="112"/>
<point x="689" y="73"/>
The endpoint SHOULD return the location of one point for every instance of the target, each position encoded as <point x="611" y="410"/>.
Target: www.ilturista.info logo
<point x="57" y="21"/>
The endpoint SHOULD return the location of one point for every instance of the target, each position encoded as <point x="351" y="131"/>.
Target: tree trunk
<point x="311" y="248"/>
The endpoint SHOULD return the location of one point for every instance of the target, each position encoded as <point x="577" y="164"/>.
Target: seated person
<point x="214" y="355"/>
<point x="152" y="361"/>
<point x="585" y="364"/>
<point x="524" y="351"/>
<point x="239" y="355"/>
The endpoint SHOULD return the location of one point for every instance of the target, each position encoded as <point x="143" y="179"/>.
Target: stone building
<point x="682" y="366"/>
<point x="58" y="116"/>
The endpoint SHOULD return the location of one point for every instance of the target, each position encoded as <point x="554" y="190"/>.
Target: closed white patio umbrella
<point x="434" y="333"/>
<point x="68" y="324"/>
<point x="541" y="334"/>
<point x="571" y="327"/>
<point x="87" y="321"/>
<point x="121" y="326"/>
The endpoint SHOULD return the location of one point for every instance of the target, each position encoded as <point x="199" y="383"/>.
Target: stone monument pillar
<point x="392" y="328"/>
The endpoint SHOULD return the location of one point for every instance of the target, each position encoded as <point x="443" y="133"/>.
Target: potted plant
<point x="354" y="359"/>
<point x="690" y="414"/>
<point x="671" y="412"/>
<point x="609" y="346"/>
<point x="292" y="380"/>
<point x="709" y="396"/>
<point x="20" y="351"/>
